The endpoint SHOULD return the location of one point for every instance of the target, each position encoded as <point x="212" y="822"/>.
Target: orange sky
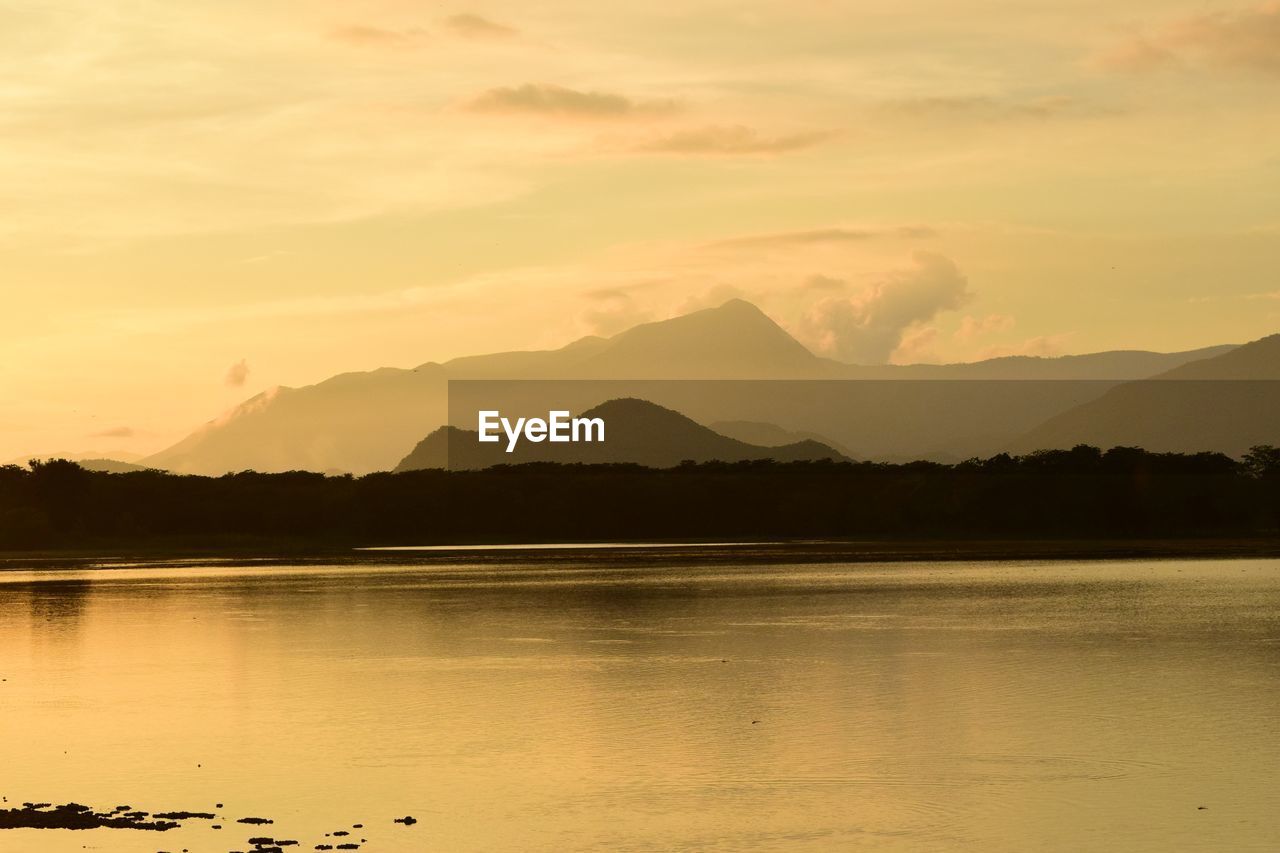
<point x="203" y="200"/>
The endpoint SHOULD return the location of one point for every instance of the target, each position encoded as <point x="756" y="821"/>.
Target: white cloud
<point x="869" y="327"/>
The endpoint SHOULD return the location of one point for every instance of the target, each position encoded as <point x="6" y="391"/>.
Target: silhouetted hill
<point x="109" y="466"/>
<point x="433" y="451"/>
<point x="766" y="434"/>
<point x="1227" y="404"/>
<point x="636" y="432"/>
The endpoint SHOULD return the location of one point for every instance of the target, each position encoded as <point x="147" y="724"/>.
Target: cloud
<point x="917" y="346"/>
<point x="870" y="326"/>
<point x="986" y="109"/>
<point x="974" y="327"/>
<point x="115" y="432"/>
<point x="1241" y="39"/>
<point x="361" y="35"/>
<point x="1137" y="53"/>
<point x="548" y="99"/>
<point x="237" y="374"/>
<point x="713" y="298"/>
<point x="613" y="310"/>
<point x="732" y="140"/>
<point x="1043" y="346"/>
<point x="823" y="284"/>
<point x="474" y="26"/>
<point x="821" y="236"/>
<point x="972" y="330"/>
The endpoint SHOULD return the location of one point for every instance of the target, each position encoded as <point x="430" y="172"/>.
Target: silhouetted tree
<point x="1077" y="493"/>
<point x="1263" y="461"/>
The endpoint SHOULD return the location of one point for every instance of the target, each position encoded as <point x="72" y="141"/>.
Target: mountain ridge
<point x="365" y="421"/>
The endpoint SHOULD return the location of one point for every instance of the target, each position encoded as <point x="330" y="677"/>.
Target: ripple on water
<point x="909" y="791"/>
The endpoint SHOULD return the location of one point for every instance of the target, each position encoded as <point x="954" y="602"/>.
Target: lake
<point x="633" y="705"/>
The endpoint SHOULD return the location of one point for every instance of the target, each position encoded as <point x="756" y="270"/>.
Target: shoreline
<point x="652" y="552"/>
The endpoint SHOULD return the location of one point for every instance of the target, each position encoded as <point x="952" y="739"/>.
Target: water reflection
<point x="658" y="707"/>
<point x="48" y="613"/>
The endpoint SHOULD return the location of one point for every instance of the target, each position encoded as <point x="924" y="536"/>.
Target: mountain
<point x="736" y="340"/>
<point x="1257" y="360"/>
<point x="355" y="422"/>
<point x="1227" y="403"/>
<point x="110" y="466"/>
<point x="116" y="457"/>
<point x="764" y="434"/>
<point x="1094" y="366"/>
<point x="362" y="422"/>
<point x="87" y="462"/>
<point x="530" y="364"/>
<point x="636" y="431"/>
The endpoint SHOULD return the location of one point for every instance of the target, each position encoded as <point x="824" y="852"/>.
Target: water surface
<point x="621" y="706"/>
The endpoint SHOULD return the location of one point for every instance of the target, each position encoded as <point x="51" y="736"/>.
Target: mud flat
<point x="75" y="816"/>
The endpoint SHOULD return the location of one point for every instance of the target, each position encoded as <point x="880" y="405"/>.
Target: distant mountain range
<point x="1227" y="403"/>
<point x="91" y="461"/>
<point x="362" y="422"/>
<point x="637" y="431"/>
<point x="110" y="466"/>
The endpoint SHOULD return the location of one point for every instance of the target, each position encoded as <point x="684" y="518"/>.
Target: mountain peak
<point x="733" y="340"/>
<point x="621" y="407"/>
<point x="737" y="304"/>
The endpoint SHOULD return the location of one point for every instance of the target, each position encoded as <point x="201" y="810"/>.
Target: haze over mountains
<point x="362" y="422"/>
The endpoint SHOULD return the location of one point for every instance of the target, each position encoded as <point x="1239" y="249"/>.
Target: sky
<point x="202" y="201"/>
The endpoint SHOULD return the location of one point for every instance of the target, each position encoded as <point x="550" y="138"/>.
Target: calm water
<point x="1047" y="706"/>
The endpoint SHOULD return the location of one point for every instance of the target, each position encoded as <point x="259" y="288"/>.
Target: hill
<point x="767" y="434"/>
<point x="114" y="457"/>
<point x="636" y="431"/>
<point x="1227" y="404"/>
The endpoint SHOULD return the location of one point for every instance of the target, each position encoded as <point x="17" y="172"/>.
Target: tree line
<point x="1064" y="494"/>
